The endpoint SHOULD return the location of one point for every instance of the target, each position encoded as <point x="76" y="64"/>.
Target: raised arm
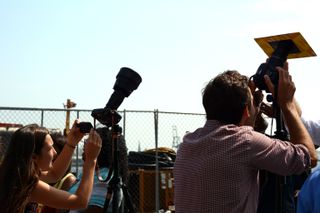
<point x="55" y="198"/>
<point x="298" y="132"/>
<point x="61" y="164"/>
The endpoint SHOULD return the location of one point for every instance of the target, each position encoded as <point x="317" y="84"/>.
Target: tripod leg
<point x="116" y="201"/>
<point x="108" y="198"/>
<point x="127" y="199"/>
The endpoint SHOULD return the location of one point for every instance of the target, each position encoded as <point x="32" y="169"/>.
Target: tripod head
<point x="107" y="116"/>
<point x="281" y="132"/>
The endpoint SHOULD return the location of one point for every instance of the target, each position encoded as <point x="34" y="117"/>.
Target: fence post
<point x="156" y="114"/>
<point x="124" y="123"/>
<point x="41" y="123"/>
<point x="77" y="151"/>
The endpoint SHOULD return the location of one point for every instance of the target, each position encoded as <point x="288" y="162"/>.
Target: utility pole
<point x="68" y="106"/>
<point x="175" y="137"/>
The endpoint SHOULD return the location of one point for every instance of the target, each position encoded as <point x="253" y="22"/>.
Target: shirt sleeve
<point x="313" y="128"/>
<point x="276" y="156"/>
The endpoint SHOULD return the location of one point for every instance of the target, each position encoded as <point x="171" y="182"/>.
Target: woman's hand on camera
<point x="74" y="135"/>
<point x="92" y="146"/>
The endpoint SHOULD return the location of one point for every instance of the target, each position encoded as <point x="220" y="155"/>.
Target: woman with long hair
<point x="27" y="169"/>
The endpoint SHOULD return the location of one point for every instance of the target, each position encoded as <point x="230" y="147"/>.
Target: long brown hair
<point x="19" y="173"/>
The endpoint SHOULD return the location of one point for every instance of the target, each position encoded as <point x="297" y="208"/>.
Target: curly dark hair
<point x="105" y="158"/>
<point x="19" y="172"/>
<point x="226" y="96"/>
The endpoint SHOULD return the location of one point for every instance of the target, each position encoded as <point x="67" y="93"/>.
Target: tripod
<point x="277" y="192"/>
<point x="115" y="184"/>
<point x="127" y="81"/>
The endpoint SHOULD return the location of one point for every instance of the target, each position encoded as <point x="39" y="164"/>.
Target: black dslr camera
<point x="277" y="59"/>
<point x="279" y="48"/>
<point x="127" y="81"/>
<point x="85" y="127"/>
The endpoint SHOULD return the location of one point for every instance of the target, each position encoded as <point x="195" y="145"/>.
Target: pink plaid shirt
<point x="216" y="169"/>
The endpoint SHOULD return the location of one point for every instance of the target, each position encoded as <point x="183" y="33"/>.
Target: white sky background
<point x="54" y="50"/>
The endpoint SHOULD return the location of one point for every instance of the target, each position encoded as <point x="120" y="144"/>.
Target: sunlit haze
<point x="54" y="50"/>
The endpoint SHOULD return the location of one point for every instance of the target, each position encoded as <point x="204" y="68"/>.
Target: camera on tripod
<point x="279" y="48"/>
<point x="127" y="81"/>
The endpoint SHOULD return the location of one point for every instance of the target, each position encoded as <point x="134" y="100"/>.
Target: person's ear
<point x="245" y="115"/>
<point x="246" y="112"/>
<point x="35" y="157"/>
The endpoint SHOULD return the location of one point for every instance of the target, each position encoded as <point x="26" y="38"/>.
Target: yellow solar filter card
<point x="301" y="47"/>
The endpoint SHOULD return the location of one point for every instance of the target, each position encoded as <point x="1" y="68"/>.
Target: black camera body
<point x="268" y="69"/>
<point x="279" y="48"/>
<point x="85" y="127"/>
<point x="277" y="59"/>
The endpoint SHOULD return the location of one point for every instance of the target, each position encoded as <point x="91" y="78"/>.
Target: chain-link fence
<point x="150" y="179"/>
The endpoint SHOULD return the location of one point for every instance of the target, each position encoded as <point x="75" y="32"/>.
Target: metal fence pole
<point x="156" y="114"/>
<point x="124" y="124"/>
<point x="41" y="123"/>
<point x="77" y="152"/>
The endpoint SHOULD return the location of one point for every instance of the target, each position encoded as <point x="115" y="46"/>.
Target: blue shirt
<point x="99" y="191"/>
<point x="309" y="196"/>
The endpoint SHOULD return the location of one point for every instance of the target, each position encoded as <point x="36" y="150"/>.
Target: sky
<point x="51" y="51"/>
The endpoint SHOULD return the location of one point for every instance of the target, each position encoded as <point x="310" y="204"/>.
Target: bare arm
<point x="61" y="164"/>
<point x="55" y="198"/>
<point x="298" y="132"/>
<point x="298" y="107"/>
